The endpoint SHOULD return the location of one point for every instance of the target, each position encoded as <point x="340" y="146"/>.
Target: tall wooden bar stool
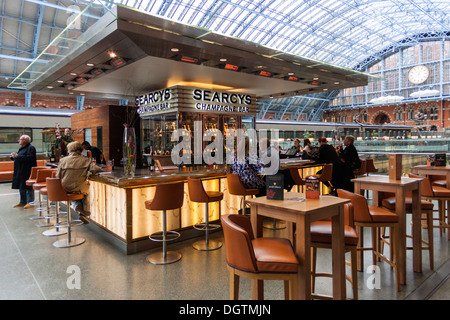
<point x="56" y="193"/>
<point x="258" y="259"/>
<point x="236" y="187"/>
<point x="42" y="175"/>
<point x="32" y="179"/>
<point x="197" y="193"/>
<point x="56" y="231"/>
<point x="426" y="208"/>
<point x="167" y="197"/>
<point x="326" y="176"/>
<point x="296" y="177"/>
<point x="374" y="218"/>
<point x="370" y="166"/>
<point x="442" y="195"/>
<point x="321" y="235"/>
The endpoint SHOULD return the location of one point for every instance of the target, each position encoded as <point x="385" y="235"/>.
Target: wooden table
<point x="431" y="171"/>
<point x="378" y="183"/>
<point x="302" y="213"/>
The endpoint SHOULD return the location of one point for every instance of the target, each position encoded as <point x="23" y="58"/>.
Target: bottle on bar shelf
<point x="151" y="164"/>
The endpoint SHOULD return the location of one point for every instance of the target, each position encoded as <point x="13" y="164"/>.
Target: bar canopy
<point x="126" y="53"/>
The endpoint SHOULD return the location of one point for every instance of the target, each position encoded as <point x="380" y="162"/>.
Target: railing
<point x="409" y="160"/>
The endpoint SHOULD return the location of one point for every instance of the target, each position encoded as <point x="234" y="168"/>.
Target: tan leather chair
<point x="56" y="193"/>
<point x="32" y="179"/>
<point x="236" y="187"/>
<point x="441" y="195"/>
<point x="370" y="167"/>
<point x="42" y="175"/>
<point x="197" y="193"/>
<point x="326" y="176"/>
<point x="296" y="177"/>
<point x="374" y="218"/>
<point x="168" y="196"/>
<point x="362" y="170"/>
<point x="389" y="201"/>
<point x="321" y="235"/>
<point x="257" y="259"/>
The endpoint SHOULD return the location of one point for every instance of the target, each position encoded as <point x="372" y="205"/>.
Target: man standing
<point x="24" y="160"/>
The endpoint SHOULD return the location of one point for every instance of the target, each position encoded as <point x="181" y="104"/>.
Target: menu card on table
<point x="275" y="187"/>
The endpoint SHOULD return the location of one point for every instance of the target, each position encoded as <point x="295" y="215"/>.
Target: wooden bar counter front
<point x="117" y="204"/>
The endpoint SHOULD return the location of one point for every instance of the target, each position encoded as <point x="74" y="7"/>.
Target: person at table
<point x="95" y="152"/>
<point x="295" y="149"/>
<point x="73" y="171"/>
<point x="348" y="156"/>
<point x="24" y="159"/>
<point x="327" y="155"/>
<point x="250" y="169"/>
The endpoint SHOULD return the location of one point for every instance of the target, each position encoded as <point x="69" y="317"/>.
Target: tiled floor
<point x="31" y="268"/>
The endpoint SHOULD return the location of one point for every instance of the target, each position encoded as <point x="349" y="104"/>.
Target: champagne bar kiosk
<point x="179" y="107"/>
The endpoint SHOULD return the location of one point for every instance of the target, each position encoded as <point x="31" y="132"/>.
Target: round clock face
<point x="418" y="74"/>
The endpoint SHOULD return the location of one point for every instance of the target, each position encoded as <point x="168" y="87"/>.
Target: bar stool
<point x="236" y="187"/>
<point x="40" y="183"/>
<point x="327" y="175"/>
<point x="297" y="179"/>
<point x="57" y="231"/>
<point x="426" y="208"/>
<point x="32" y="179"/>
<point x="373" y="217"/>
<point x="370" y="167"/>
<point x="167" y="197"/>
<point x="362" y="170"/>
<point x="197" y="193"/>
<point x="56" y="193"/>
<point x="321" y="236"/>
<point x="442" y="195"/>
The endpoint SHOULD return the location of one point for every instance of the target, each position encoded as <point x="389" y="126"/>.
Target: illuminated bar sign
<point x="154" y="101"/>
<point x="189" y="99"/>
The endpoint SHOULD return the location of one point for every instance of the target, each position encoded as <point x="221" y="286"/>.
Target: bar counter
<point x="117" y="203"/>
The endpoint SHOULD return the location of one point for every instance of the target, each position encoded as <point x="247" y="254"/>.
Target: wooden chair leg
<point x="313" y="268"/>
<point x="394" y="234"/>
<point x="293" y="287"/>
<point x="257" y="290"/>
<point x="430" y="239"/>
<point x="286" y="290"/>
<point x="354" y="272"/>
<point x="441" y="217"/>
<point x="360" y="254"/>
<point x="234" y="285"/>
<point x="374" y="245"/>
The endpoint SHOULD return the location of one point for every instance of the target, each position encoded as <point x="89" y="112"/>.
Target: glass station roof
<point x="348" y="33"/>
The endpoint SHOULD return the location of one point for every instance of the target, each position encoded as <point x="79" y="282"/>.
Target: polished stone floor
<point x="32" y="269"/>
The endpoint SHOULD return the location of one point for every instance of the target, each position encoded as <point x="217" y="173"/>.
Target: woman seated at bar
<point x="295" y="150"/>
<point x="249" y="169"/>
<point x="73" y="171"/>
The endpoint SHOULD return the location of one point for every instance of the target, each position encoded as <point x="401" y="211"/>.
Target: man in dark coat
<point x="350" y="158"/>
<point x="95" y="152"/>
<point x="327" y="154"/>
<point x="24" y="160"/>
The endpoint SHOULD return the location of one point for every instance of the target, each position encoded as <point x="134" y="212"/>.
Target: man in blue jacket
<point x="24" y="160"/>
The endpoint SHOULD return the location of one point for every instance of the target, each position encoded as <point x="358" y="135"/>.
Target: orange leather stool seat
<point x="197" y="193"/>
<point x="236" y="187"/>
<point x="56" y="193"/>
<point x="257" y="259"/>
<point x="169" y="196"/>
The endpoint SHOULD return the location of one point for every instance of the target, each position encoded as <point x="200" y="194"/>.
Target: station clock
<point x="418" y="74"/>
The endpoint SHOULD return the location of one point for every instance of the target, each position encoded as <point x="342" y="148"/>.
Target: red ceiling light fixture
<point x="264" y="73"/>
<point x="81" y="80"/>
<point x="291" y="78"/>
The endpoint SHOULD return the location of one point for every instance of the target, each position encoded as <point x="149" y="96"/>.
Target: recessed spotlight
<point x="223" y="60"/>
<point x="290" y="74"/>
<point x="337" y="82"/>
<point x="112" y="54"/>
<point x="90" y="64"/>
<point x="50" y="87"/>
<point x="325" y="89"/>
<point x="70" y="92"/>
<point x="81" y="94"/>
<point x="174" y="49"/>
<point x="316" y="78"/>
<point x="59" y="81"/>
<point x="73" y="74"/>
